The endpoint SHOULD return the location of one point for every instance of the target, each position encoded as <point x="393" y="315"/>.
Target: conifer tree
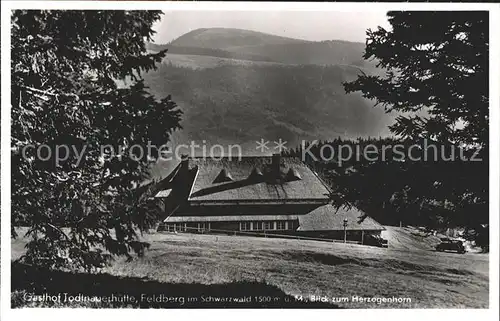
<point x="77" y="87"/>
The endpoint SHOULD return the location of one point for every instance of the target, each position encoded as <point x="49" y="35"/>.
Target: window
<point x="257" y="226"/>
<point x="176" y="227"/>
<point x="202" y="227"/>
<point x="180" y="227"/>
<point x="280" y="225"/>
<point x="268" y="225"/>
<point x="245" y="226"/>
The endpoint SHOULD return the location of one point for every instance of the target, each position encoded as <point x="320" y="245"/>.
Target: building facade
<point x="254" y="195"/>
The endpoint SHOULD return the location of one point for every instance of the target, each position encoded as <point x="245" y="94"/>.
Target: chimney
<point x="184" y="169"/>
<point x="184" y="163"/>
<point x="275" y="165"/>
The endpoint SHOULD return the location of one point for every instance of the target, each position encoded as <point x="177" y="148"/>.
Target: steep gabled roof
<point x="328" y="218"/>
<point x="241" y="188"/>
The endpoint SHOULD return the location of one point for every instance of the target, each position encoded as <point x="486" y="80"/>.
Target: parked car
<point x="376" y="240"/>
<point x="451" y="245"/>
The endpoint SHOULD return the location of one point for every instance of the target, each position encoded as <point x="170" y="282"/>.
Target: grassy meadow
<point x="221" y="266"/>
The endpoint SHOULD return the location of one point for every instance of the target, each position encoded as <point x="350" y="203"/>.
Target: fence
<point x="256" y="234"/>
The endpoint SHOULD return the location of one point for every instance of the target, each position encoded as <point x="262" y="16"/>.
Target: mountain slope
<point x="227" y="38"/>
<point x="319" y="53"/>
<point x="240" y="104"/>
<point x="202" y="61"/>
<point x="258" y="46"/>
<point x="238" y="87"/>
<point x="209" y="52"/>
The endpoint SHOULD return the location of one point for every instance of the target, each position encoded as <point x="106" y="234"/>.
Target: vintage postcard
<point x="181" y="156"/>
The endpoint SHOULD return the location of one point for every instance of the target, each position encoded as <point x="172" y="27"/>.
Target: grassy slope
<point x="250" y="45"/>
<point x="411" y="239"/>
<point x="408" y="238"/>
<point x="307" y="268"/>
<point x="200" y="61"/>
<point x="226" y="38"/>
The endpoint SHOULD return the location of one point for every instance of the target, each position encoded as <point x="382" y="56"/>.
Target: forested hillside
<point x="318" y="53"/>
<point x="242" y="104"/>
<point x="238" y="86"/>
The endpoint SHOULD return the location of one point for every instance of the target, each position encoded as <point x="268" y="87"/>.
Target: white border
<point x="86" y="314"/>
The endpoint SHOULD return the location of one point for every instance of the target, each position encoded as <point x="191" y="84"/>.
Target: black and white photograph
<point x="165" y="157"/>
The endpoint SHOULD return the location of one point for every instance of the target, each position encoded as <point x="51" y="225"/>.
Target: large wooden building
<point x="273" y="194"/>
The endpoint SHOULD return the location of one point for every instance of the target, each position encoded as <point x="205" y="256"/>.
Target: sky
<point x="308" y="25"/>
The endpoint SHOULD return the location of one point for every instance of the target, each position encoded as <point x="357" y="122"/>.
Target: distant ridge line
<point x="199" y="31"/>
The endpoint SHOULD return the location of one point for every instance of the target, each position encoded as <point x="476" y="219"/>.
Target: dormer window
<point x="293" y="175"/>
<point x="224" y="176"/>
<point x="256" y="174"/>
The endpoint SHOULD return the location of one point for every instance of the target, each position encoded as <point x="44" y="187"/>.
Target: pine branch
<point x="48" y="93"/>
